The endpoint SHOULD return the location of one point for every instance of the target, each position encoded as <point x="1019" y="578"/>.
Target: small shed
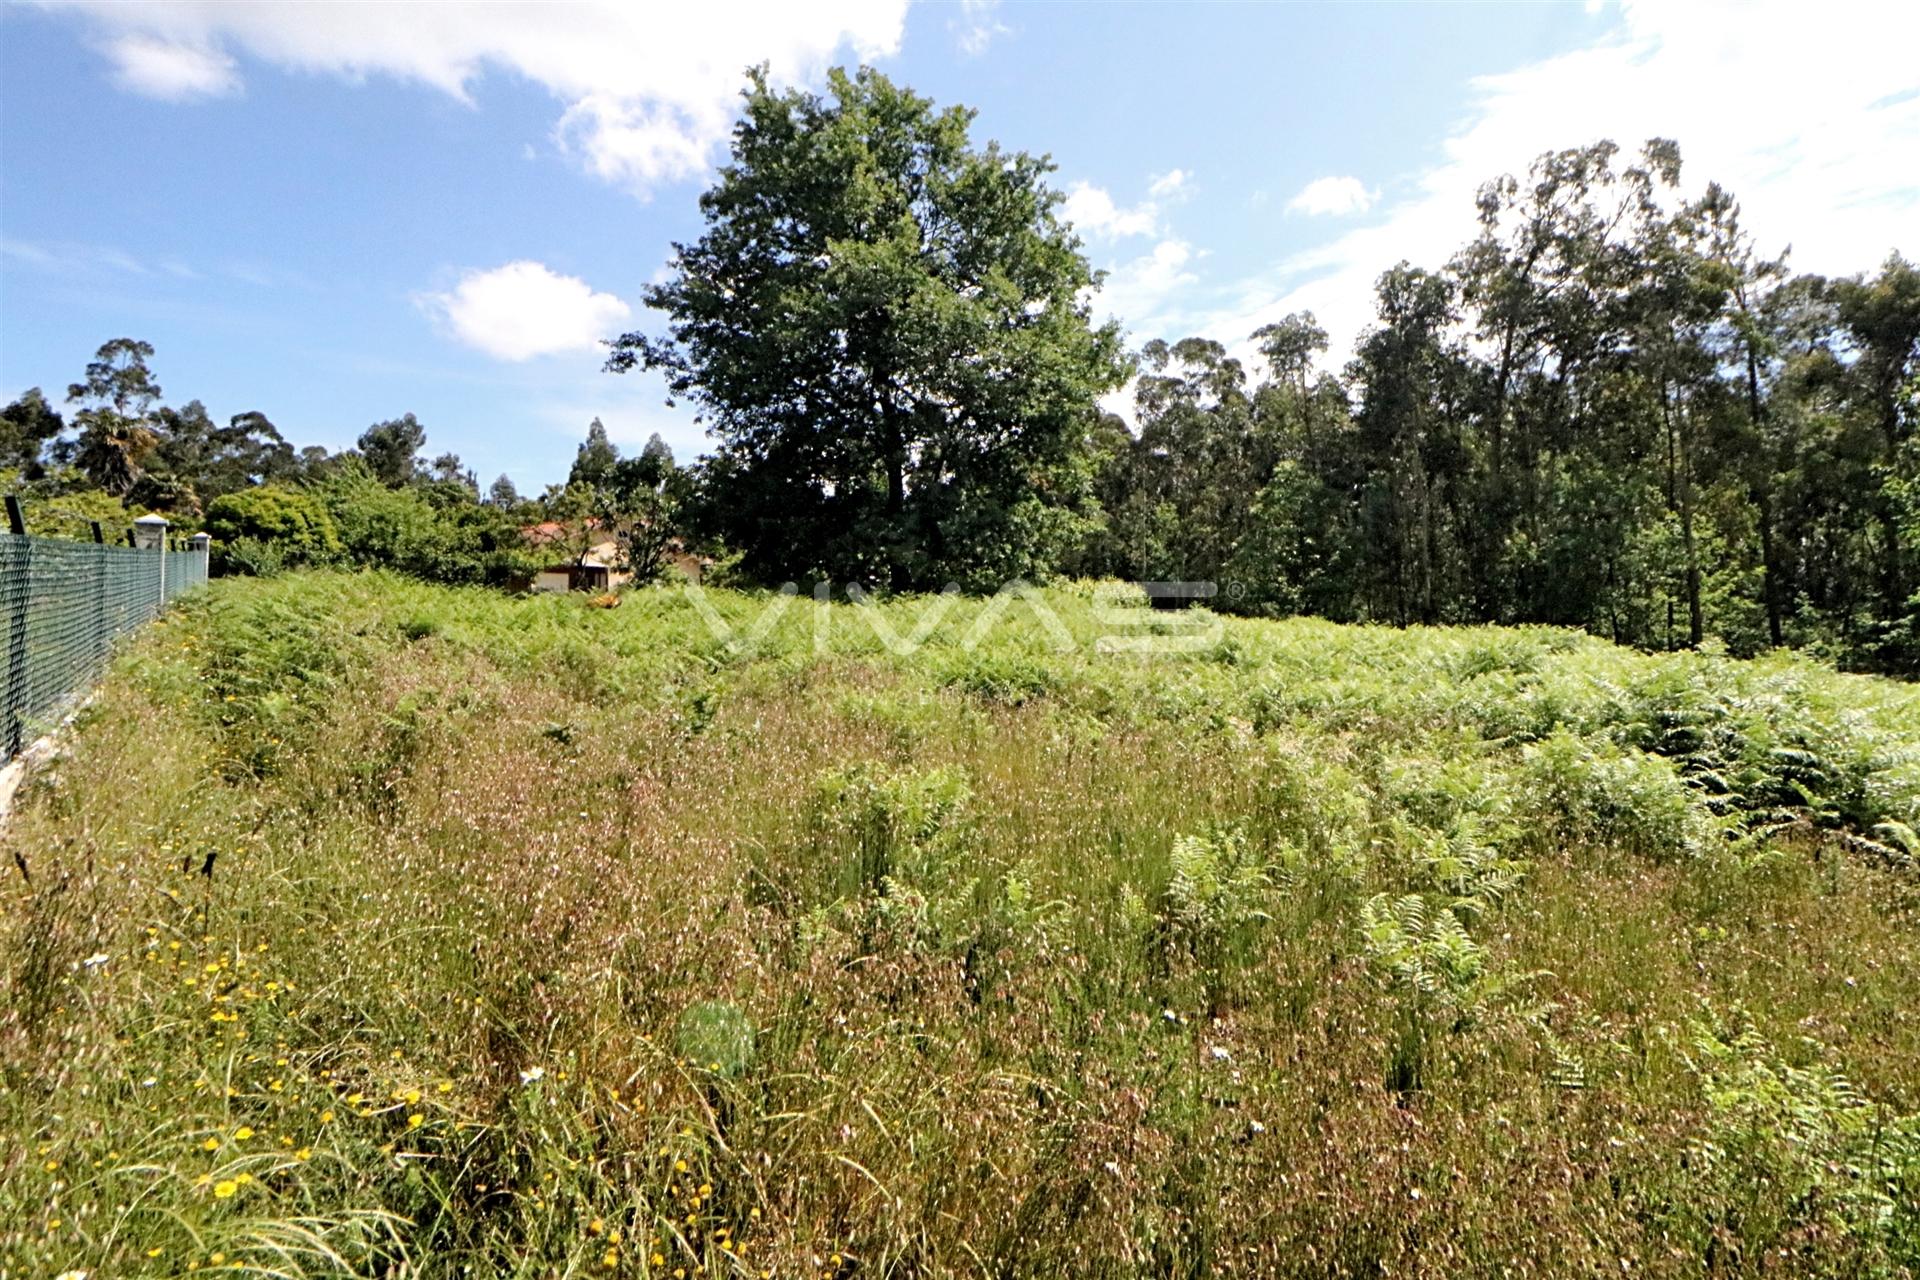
<point x="586" y="574"/>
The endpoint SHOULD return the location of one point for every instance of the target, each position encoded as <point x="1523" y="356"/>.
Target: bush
<point x="423" y="532"/>
<point x="281" y="527"/>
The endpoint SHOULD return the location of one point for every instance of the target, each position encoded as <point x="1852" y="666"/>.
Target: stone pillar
<point x="203" y="543"/>
<point x="150" y="534"/>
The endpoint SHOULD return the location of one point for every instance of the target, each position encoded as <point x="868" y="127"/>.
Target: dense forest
<point x="1610" y="410"/>
<point x="1614" y="409"/>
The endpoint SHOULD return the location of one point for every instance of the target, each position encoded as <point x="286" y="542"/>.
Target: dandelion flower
<point x="225" y="1189"/>
<point x="242" y="1133"/>
<point x="415" y="1120"/>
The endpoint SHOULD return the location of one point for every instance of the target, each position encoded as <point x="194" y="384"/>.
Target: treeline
<point x="271" y="507"/>
<point x="268" y="505"/>
<point x="1609" y="411"/>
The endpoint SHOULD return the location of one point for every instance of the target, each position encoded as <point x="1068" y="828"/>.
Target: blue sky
<point x="338" y="214"/>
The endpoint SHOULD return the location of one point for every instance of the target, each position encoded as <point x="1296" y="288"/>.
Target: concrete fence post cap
<point x="150" y="532"/>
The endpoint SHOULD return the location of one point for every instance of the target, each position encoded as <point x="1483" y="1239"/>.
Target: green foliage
<point x="413" y="530"/>
<point x="886" y="326"/>
<point x="391" y="450"/>
<point x="27" y="426"/>
<point x="1217" y="892"/>
<point x="1440" y="980"/>
<point x="1608" y="411"/>
<point x="1424" y="952"/>
<point x="902" y="826"/>
<point x="1601" y="795"/>
<point x="271" y="528"/>
<point x="63" y="504"/>
<point x="1800" y="1142"/>
<point x="716" y="1036"/>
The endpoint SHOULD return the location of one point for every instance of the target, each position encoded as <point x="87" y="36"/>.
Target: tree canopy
<point x="884" y="326"/>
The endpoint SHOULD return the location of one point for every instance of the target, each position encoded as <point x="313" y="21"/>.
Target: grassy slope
<point x="544" y="940"/>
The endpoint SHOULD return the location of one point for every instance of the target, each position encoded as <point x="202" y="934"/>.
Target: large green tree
<point x="886" y="327"/>
<point x="26" y="427"/>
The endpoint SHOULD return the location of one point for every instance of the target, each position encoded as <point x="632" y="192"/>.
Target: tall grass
<point x="369" y="928"/>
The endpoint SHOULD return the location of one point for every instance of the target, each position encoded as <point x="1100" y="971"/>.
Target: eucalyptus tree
<point x="391" y="450"/>
<point x="117" y="396"/>
<point x="1881" y="317"/>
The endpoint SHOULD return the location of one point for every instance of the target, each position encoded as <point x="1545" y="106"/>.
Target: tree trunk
<point x="1763" y="504"/>
<point x="1680" y="499"/>
<point x="897" y="578"/>
<point x="1696" y="623"/>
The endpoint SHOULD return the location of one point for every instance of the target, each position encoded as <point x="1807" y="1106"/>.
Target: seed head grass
<point x="363" y="927"/>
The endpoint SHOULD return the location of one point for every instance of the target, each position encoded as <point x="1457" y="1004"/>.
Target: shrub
<point x="271" y="528"/>
<point x="423" y="532"/>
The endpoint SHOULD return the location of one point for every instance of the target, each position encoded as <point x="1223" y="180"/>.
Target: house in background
<point x="584" y="575"/>
<point x="573" y="569"/>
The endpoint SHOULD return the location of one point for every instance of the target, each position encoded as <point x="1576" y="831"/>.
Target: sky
<point x="336" y="214"/>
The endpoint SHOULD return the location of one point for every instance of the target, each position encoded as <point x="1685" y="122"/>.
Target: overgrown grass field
<point x="371" y="928"/>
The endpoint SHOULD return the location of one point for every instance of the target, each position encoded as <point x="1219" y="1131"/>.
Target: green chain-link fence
<point x="63" y="605"/>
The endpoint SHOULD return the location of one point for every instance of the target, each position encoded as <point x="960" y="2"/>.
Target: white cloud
<point x="1333" y="196"/>
<point x="1814" y="126"/>
<point x="1170" y="185"/>
<point x="72" y="258"/>
<point x="1093" y="213"/>
<point x="648" y="90"/>
<point x="170" y="70"/>
<point x="976" y="25"/>
<point x="1097" y="216"/>
<point x="523" y="309"/>
<point x="1140" y="293"/>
